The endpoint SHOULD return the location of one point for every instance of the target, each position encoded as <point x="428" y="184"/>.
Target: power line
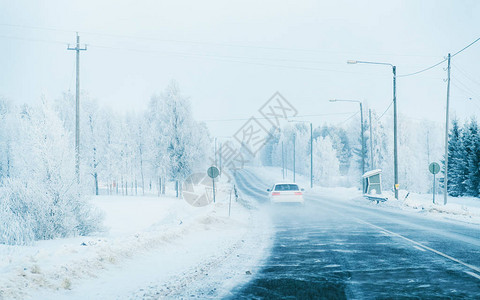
<point x="216" y="56"/>
<point x="322" y="115"/>
<point x="440" y="62"/>
<point x="465" y="74"/>
<point x="225" y="58"/>
<point x="390" y="105"/>
<point x="32" y="40"/>
<point x="347" y="119"/>
<point x="465" y="88"/>
<point x="202" y="43"/>
<point x="423" y="70"/>
<point x="263" y="118"/>
<point x="37" y="27"/>
<point x="466" y="92"/>
<point x="466" y="47"/>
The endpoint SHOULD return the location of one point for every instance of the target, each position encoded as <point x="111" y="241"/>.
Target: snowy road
<point x="334" y="248"/>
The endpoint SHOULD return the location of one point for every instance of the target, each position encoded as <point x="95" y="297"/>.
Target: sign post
<point x="213" y="172"/>
<point x="230" y="203"/>
<point x="434" y="168"/>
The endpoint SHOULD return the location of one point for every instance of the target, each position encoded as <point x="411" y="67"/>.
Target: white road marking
<point x="473" y="274"/>
<point x="422" y="247"/>
<point x="475" y="268"/>
<point x="418" y="248"/>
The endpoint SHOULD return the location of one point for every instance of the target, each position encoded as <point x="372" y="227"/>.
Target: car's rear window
<point x="286" y="187"/>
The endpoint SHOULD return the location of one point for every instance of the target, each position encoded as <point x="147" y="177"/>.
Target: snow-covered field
<point x="464" y="209"/>
<point x="152" y="247"/>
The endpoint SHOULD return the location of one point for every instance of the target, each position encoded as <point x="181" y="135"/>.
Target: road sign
<point x="213" y="172"/>
<point x="434" y="168"/>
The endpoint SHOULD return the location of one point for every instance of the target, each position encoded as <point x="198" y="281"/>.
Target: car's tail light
<point x="276" y="194"/>
<point x="298" y="193"/>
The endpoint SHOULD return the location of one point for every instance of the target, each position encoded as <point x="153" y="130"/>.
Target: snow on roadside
<point x="230" y="265"/>
<point x="152" y="245"/>
<point x="465" y="209"/>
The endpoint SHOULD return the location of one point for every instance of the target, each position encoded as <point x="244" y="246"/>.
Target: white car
<point x="286" y="193"/>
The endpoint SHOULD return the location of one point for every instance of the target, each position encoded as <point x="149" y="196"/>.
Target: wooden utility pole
<point x="445" y="178"/>
<point x="77" y="49"/>
<point x="372" y="167"/>
<point x="311" y="155"/>
<point x="294" y="136"/>
<point x="395" y="135"/>
<point x="283" y="163"/>
<point x="362" y="139"/>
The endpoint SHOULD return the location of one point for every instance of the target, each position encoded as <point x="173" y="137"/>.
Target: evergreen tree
<point x="472" y="146"/>
<point x="456" y="161"/>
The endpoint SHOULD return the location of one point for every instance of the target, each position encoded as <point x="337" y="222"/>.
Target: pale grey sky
<point x="230" y="57"/>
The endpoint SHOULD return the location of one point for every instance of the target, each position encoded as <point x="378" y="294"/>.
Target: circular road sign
<point x="213" y="172"/>
<point x="434" y="168"/>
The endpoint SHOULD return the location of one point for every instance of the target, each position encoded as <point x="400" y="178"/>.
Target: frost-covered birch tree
<point x="42" y="199"/>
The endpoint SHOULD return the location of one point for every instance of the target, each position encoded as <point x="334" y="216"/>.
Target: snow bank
<point x="466" y="209"/>
<point x="154" y="246"/>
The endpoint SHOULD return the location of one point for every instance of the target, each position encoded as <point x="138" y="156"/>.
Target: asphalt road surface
<point x="341" y="250"/>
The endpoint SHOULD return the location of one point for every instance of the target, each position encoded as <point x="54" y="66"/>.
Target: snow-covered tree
<point x="42" y="200"/>
<point x="326" y="164"/>
<point x="456" y="161"/>
<point x="178" y="142"/>
<point x="471" y="142"/>
<point x="341" y="143"/>
<point x="7" y="125"/>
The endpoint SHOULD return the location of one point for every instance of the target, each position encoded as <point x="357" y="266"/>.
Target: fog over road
<point x="340" y="249"/>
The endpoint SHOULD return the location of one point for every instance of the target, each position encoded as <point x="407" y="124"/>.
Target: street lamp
<point x="361" y="134"/>
<point x="283" y="163"/>
<point x="311" y="149"/>
<point x="294" y="137"/>
<point x="395" y="145"/>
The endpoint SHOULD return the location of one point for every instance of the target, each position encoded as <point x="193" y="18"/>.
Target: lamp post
<point x="311" y="149"/>
<point x="283" y="164"/>
<point x="361" y="135"/>
<point x="294" y="137"/>
<point x="371" y="139"/>
<point x="395" y="144"/>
